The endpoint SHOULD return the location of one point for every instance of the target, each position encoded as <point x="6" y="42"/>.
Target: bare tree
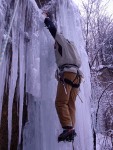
<point x="95" y="25"/>
<point x="98" y="31"/>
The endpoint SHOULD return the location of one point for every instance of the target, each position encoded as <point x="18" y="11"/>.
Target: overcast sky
<point x="109" y="8"/>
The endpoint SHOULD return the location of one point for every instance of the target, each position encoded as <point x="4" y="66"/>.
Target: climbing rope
<point x="73" y="145"/>
<point x="8" y="34"/>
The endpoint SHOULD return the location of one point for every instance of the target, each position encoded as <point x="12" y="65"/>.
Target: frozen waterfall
<point x="28" y="68"/>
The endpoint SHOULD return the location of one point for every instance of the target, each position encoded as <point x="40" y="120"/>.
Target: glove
<point x="44" y="15"/>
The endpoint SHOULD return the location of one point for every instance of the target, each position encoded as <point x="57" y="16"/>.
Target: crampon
<point x="67" y="135"/>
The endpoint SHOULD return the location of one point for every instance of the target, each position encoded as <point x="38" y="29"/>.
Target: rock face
<point x="28" y="87"/>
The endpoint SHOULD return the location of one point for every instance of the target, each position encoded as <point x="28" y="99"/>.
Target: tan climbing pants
<point x="65" y="103"/>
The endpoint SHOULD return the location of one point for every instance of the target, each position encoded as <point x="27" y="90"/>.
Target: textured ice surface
<point x="69" y="24"/>
<point x="32" y="71"/>
<point x="46" y="121"/>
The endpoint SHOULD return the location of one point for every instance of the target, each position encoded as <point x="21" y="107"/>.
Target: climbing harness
<point x="71" y="83"/>
<point x="60" y="76"/>
<point x="8" y="34"/>
<point x="61" y="68"/>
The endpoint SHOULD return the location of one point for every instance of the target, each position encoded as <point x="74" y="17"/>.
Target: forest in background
<point x="98" y="34"/>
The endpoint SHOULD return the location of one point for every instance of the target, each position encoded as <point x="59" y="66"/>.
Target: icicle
<point x="8" y="34"/>
<point x="5" y="63"/>
<point x="2" y="84"/>
<point x="13" y="78"/>
<point x="12" y="86"/>
<point x="21" y="67"/>
<point x="21" y="83"/>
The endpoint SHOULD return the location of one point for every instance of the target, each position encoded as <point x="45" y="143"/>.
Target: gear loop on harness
<point x="71" y="83"/>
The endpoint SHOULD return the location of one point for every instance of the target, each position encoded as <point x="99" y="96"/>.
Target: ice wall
<point x="69" y="23"/>
<point x="46" y="123"/>
<point x="12" y="58"/>
<point x="32" y="69"/>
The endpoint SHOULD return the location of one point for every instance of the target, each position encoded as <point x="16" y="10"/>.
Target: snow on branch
<point x="100" y="100"/>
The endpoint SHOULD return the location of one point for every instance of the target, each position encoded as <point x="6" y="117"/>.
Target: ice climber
<point x="69" y="79"/>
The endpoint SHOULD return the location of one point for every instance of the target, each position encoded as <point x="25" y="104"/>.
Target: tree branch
<point x="100" y="100"/>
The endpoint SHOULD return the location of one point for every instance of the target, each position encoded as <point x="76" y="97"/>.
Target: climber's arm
<point x="50" y="26"/>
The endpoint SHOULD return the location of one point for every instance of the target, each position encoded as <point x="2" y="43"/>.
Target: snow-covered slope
<point x="32" y="72"/>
